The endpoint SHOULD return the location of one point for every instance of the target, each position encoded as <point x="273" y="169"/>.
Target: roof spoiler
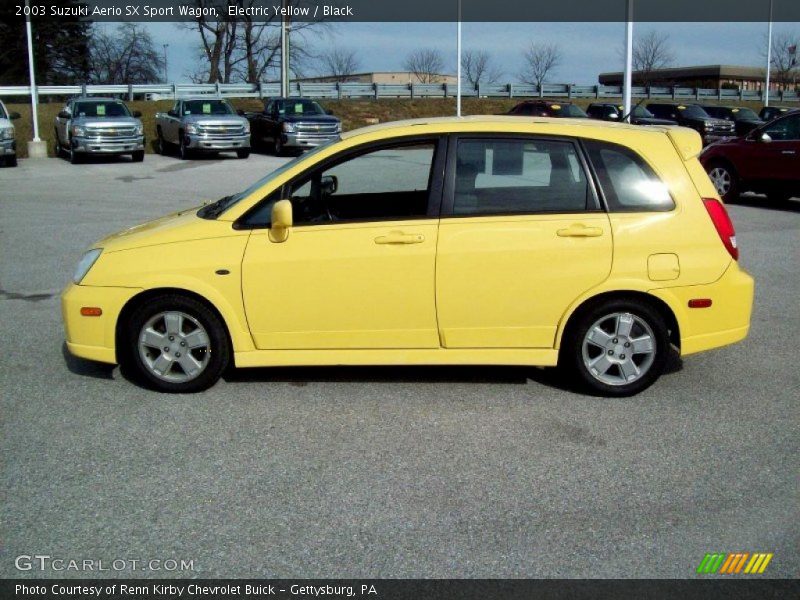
<point x="687" y="141"/>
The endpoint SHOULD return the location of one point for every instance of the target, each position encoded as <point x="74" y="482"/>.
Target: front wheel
<point x="243" y="153"/>
<point x="11" y="161"/>
<point x="175" y="344"/>
<point x="725" y="180"/>
<point x="183" y="151"/>
<point x="617" y="348"/>
<point x="138" y="156"/>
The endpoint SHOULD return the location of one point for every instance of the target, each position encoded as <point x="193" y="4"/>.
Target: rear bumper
<point x="93" y="338"/>
<point x="725" y="322"/>
<point x="108" y="145"/>
<point x="208" y="143"/>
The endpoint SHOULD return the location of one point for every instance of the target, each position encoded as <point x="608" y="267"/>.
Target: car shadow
<point x="86" y="368"/>
<point x="760" y="201"/>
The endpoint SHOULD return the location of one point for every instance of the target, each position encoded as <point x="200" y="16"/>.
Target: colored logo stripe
<point x="733" y="563"/>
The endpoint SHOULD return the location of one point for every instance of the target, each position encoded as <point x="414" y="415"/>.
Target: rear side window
<point x="495" y="177"/>
<point x="628" y="183"/>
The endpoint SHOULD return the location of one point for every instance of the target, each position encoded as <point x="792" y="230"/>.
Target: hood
<point x="215" y="119"/>
<point x="106" y="121"/>
<point x="310" y="118"/>
<point x="5" y="123"/>
<point x="176" y="227"/>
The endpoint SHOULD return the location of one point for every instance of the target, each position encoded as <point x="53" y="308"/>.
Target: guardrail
<point x="379" y="90"/>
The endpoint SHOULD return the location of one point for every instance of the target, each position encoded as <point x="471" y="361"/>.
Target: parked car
<point x="8" y="145"/>
<point x="767" y="160"/>
<point x="98" y="126"/>
<point x="381" y="248"/>
<point x="292" y="124"/>
<point x="607" y="111"/>
<point x="744" y="119"/>
<point x="547" y="108"/>
<point x="768" y="113"/>
<point x="202" y="125"/>
<point x="693" y="116"/>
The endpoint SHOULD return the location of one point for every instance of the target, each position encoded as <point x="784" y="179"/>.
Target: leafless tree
<point x="784" y="58"/>
<point x="341" y="63"/>
<point x="125" y="56"/>
<point x="541" y="60"/>
<point x="426" y="64"/>
<point x="650" y="52"/>
<point x="478" y="68"/>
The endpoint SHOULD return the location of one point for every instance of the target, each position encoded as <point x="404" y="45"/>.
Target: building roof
<point x="695" y="72"/>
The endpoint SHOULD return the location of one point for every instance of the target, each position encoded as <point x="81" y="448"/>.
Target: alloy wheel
<point x="722" y="180"/>
<point x="619" y="348"/>
<point x="174" y="346"/>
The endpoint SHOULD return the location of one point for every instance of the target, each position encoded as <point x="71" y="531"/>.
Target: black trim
<point x="450" y="177"/>
<point x="435" y="183"/>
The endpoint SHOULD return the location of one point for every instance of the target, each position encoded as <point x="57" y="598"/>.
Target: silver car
<point x="98" y="126"/>
<point x="205" y="125"/>
<point x="8" y="145"/>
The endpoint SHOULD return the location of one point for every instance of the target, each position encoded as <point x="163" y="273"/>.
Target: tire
<point x="184" y="152"/>
<point x="75" y="158"/>
<point x="278" y="147"/>
<point x="164" y="367"/>
<point x="11" y="161"/>
<point x="725" y="180"/>
<point x="595" y="354"/>
<point x="161" y="144"/>
<point x="244" y="153"/>
<point x="59" y="149"/>
<point x="138" y="156"/>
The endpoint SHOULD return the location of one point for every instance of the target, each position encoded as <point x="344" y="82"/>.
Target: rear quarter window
<point x="626" y="180"/>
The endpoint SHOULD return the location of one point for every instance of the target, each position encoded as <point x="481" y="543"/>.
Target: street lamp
<point x="166" y="71"/>
<point x="36" y="147"/>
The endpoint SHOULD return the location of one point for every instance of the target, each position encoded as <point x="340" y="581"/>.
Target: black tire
<point x="718" y="167"/>
<point x="572" y="361"/>
<point x="277" y="147"/>
<point x="184" y="152"/>
<point x="161" y="145"/>
<point x="11" y="161"/>
<point x="137" y="156"/>
<point x="58" y="149"/>
<point x="219" y="354"/>
<point x="243" y="153"/>
<point x="75" y="158"/>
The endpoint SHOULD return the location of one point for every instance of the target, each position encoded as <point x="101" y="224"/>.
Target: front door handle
<point x="398" y="237"/>
<point x="580" y="230"/>
<point x="788" y="152"/>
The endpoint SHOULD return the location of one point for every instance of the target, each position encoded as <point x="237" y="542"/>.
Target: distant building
<point x="377" y="77"/>
<point x="707" y="76"/>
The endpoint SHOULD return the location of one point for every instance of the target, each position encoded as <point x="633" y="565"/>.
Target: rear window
<point x="628" y="183"/>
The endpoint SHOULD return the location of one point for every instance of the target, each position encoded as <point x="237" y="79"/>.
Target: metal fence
<point x="168" y="91"/>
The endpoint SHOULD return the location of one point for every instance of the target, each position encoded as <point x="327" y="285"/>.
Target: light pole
<point x="285" y="28"/>
<point x="769" y="55"/>
<point x="627" y="81"/>
<point x="458" y="65"/>
<point x="166" y="70"/>
<point x="36" y="147"/>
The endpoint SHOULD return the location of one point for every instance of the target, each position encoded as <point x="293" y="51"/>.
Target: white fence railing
<point x="379" y="90"/>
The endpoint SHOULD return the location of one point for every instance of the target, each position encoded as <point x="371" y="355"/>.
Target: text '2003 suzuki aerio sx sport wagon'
<point x="487" y="240"/>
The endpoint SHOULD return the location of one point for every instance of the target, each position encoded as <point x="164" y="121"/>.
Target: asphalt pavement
<point x="378" y="472"/>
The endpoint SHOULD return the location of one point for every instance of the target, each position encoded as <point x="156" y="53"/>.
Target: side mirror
<point x="281" y="221"/>
<point x="172" y="113"/>
<point x="328" y="185"/>
<point x="240" y="112"/>
<point x="764" y="137"/>
<point x="64" y="115"/>
<point x="137" y="114"/>
<point x="613" y="115"/>
<point x="13" y="115"/>
<point x="329" y="112"/>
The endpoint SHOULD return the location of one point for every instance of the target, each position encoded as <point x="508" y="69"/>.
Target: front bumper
<point x="217" y="143"/>
<point x="89" y="145"/>
<point x="8" y="148"/>
<point x="725" y="322"/>
<point x="306" y="140"/>
<point x="93" y="338"/>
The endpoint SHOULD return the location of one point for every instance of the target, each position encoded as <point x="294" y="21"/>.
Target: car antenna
<point x="638" y="104"/>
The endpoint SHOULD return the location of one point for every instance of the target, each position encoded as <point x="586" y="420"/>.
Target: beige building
<point x="377" y="77"/>
<point x="706" y="76"/>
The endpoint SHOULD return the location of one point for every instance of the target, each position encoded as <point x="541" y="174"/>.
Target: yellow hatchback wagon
<point x="485" y="240"/>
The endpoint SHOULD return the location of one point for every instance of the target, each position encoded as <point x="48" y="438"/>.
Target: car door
<point x="778" y="158"/>
<point x="357" y="269"/>
<point x="522" y="236"/>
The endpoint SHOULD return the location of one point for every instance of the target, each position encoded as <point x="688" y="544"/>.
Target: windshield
<point x="3" y="114"/>
<point x="693" y="111"/>
<point x="570" y="110"/>
<point x="101" y="109"/>
<point x="299" y="107"/>
<point x="207" y="107"/>
<point x="212" y="211"/>
<point x="641" y="112"/>
<point x="744" y="114"/>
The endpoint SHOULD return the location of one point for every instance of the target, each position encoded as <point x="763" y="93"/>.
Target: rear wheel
<point x="616" y="348"/>
<point x="725" y="180"/>
<point x="175" y="344"/>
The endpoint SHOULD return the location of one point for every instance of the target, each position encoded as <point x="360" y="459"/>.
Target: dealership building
<point x="706" y="76"/>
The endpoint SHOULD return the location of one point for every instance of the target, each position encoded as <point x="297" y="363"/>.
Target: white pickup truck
<point x="202" y="125"/>
<point x="8" y="145"/>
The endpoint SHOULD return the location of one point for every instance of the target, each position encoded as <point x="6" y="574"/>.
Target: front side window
<point x="207" y="107"/>
<point x="628" y="183"/>
<point x="495" y="177"/>
<point x="787" y="129"/>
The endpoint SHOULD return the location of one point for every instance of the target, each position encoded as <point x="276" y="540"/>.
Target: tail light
<point x="723" y="224"/>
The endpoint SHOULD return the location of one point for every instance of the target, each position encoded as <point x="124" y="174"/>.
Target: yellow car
<point x="486" y="240"/>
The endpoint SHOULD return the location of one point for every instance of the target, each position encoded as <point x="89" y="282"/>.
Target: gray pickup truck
<point x="206" y="125"/>
<point x="98" y="126"/>
<point x="8" y="145"/>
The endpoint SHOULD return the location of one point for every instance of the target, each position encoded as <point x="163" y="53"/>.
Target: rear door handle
<point x="398" y="237"/>
<point x="788" y="152"/>
<point x="580" y="230"/>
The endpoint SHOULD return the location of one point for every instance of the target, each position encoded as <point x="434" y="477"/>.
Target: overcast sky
<point x="587" y="48"/>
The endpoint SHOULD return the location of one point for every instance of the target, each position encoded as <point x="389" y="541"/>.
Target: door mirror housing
<point x="137" y="114"/>
<point x="172" y="113"/>
<point x="64" y="115"/>
<point x="281" y="221"/>
<point x="613" y="115"/>
<point x="328" y="185"/>
<point x="764" y="137"/>
<point x="13" y="115"/>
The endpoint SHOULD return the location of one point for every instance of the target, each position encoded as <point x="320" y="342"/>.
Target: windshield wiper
<point x="215" y="209"/>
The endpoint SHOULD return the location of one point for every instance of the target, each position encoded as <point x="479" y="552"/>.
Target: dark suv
<point x="547" y="108"/>
<point x="292" y="124"/>
<point x="743" y="118"/>
<point x="693" y="116"/>
<point x="607" y="111"/>
<point x="767" y="160"/>
<point x="768" y="113"/>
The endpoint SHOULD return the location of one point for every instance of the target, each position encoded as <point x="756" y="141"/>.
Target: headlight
<point x="247" y="126"/>
<point x="7" y="133"/>
<point x="339" y="127"/>
<point x="288" y="127"/>
<point x="78" y="131"/>
<point x="190" y="128"/>
<point x="140" y="129"/>
<point x="85" y="263"/>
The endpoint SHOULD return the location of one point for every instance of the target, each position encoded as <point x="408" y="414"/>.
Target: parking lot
<point x="379" y="472"/>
